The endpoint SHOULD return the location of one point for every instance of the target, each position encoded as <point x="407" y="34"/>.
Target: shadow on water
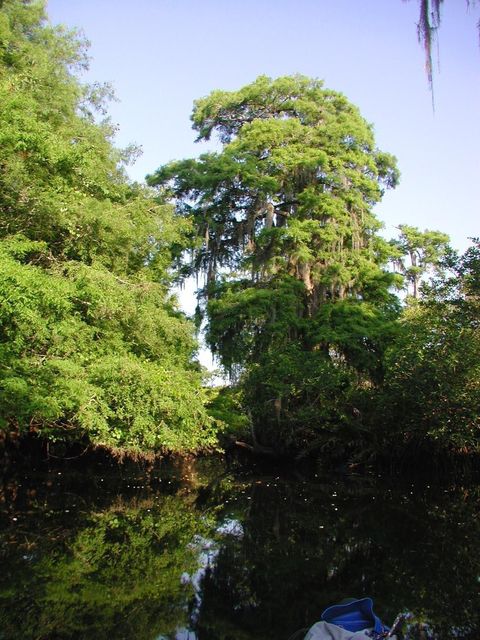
<point x="195" y="552"/>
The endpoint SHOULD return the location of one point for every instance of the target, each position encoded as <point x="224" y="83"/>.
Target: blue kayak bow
<point x="354" y="615"/>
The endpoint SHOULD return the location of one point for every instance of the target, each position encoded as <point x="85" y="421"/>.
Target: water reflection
<point x="200" y="554"/>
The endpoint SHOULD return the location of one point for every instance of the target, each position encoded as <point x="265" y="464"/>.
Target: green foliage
<point x="292" y="189"/>
<point x="86" y="356"/>
<point x="299" y="303"/>
<point x="298" y="298"/>
<point x="424" y="250"/>
<point x="431" y="394"/>
<point x="299" y="400"/>
<point x="225" y="406"/>
<point x="92" y="348"/>
<point x="150" y="406"/>
<point x="245" y="319"/>
<point x="300" y="306"/>
<point x="357" y="333"/>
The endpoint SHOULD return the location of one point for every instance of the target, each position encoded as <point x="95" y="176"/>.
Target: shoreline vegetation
<point x="341" y="347"/>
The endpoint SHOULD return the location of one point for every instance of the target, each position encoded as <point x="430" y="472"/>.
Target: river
<point x="196" y="550"/>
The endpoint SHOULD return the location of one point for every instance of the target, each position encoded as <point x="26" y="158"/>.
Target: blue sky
<point x="161" y="55"/>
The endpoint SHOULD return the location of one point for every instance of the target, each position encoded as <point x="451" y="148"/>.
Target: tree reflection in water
<point x="229" y="556"/>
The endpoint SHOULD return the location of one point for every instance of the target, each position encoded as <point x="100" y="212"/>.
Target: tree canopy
<point x="92" y="347"/>
<point x="417" y="253"/>
<point x="293" y="185"/>
<point x="288" y="240"/>
<point x="432" y="384"/>
<point x="300" y="303"/>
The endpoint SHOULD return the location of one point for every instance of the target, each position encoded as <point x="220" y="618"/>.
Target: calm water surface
<point x="201" y="552"/>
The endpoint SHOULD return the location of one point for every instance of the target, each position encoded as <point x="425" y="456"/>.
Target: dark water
<point x="200" y="552"/>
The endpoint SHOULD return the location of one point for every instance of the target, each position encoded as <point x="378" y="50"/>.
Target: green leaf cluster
<point x="418" y="252"/>
<point x="291" y="191"/>
<point x="92" y="347"/>
<point x="300" y="302"/>
<point x="298" y="297"/>
<point x="431" y="392"/>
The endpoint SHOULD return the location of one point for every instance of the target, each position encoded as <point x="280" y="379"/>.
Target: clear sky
<point x="160" y="55"/>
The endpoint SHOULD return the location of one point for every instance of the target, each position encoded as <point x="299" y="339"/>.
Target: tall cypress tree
<point x="287" y="236"/>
